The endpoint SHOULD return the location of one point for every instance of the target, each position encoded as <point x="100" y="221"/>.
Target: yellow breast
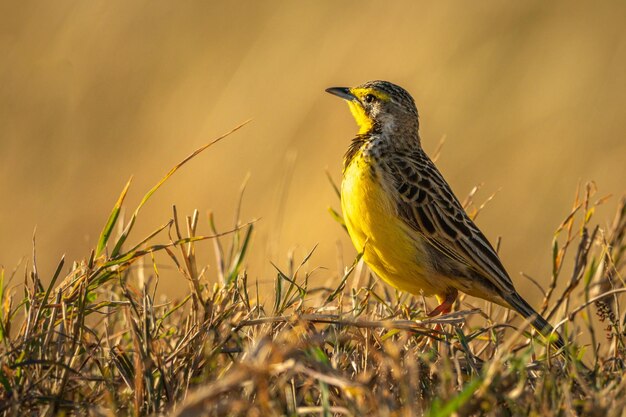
<point x="390" y="248"/>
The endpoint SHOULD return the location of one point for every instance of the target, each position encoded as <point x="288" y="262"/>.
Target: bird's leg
<point x="446" y="303"/>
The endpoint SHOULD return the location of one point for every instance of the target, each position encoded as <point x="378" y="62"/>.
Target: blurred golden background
<point x="530" y="96"/>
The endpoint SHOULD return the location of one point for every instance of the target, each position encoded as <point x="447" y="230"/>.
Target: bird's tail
<point x="536" y="320"/>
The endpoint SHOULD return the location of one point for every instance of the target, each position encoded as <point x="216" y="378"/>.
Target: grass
<point x="97" y="340"/>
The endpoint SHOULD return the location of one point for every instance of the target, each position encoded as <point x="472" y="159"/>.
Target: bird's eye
<point x="369" y="98"/>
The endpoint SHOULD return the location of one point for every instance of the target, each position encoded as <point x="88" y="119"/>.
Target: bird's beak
<point x="343" y="92"/>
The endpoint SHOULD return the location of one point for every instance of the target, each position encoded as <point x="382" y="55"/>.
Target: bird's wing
<point x="427" y="204"/>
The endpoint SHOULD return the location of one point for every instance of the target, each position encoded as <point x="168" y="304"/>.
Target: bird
<point x="404" y="218"/>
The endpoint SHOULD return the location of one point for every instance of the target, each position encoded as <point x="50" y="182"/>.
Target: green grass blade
<point x="49" y="289"/>
<point x="337" y="217"/>
<point x="332" y="184"/>
<point x="239" y="257"/>
<point x="1" y="303"/>
<point x="454" y="404"/>
<point x="108" y="227"/>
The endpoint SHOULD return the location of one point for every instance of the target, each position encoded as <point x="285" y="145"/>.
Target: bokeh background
<point x="530" y="96"/>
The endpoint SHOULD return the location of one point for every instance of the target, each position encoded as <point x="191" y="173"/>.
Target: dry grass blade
<point x="158" y="185"/>
<point x="103" y="343"/>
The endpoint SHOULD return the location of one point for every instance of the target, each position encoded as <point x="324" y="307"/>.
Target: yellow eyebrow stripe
<point x="362" y="92"/>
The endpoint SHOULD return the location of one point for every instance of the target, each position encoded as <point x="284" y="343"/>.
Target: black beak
<point x="343" y="92"/>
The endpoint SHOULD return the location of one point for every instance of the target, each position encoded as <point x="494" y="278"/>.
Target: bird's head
<point x="380" y="106"/>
